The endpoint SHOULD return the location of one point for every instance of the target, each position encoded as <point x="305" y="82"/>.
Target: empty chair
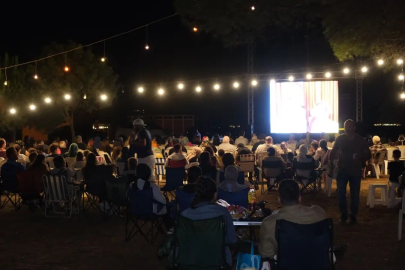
<point x="183" y="200"/>
<point x="174" y="180"/>
<point x="236" y="198"/>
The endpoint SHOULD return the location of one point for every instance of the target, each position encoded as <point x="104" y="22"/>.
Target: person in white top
<point x="283" y="149"/>
<point x="262" y="149"/>
<point x="226" y="146"/>
<point x="241" y="138"/>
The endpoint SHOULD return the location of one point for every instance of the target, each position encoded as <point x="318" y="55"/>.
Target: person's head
<point x="396" y="154"/>
<point x="401" y="137"/>
<point x="216" y="141"/>
<point x="254" y="135"/>
<point x="269" y="140"/>
<point x="209" y="150"/>
<point x="228" y="159"/>
<point x="292" y="137"/>
<point x="53" y="148"/>
<point x="79" y="156"/>
<point x="225" y="139"/>
<point x="206" y="191"/>
<point x="32" y="156"/>
<point x="231" y="173"/>
<point x="59" y="162"/>
<point x="350" y="127"/>
<point x="86" y="153"/>
<point x="143" y="171"/>
<point x="289" y="192"/>
<point x="290" y="155"/>
<point x="11" y="153"/>
<point x="39" y="159"/>
<point x="271" y="151"/>
<point x="2" y="143"/>
<point x="91" y="160"/>
<point x="324" y="145"/>
<point x="73" y="148"/>
<point x="376" y="140"/>
<point x="283" y="145"/>
<point x="303" y="150"/>
<point x="138" y="124"/>
<point x="240" y="145"/>
<point x="221" y="152"/>
<point x="177" y="148"/>
<point x="193" y="174"/>
<point x="241" y="133"/>
<point x="314" y="145"/>
<point x="132" y="163"/>
<point x="124" y="152"/>
<point x="62" y="144"/>
<point x="90" y="144"/>
<point x="205" y="159"/>
<point x="176" y="141"/>
<point x="17" y="148"/>
<point x="79" y="139"/>
<point x="262" y="137"/>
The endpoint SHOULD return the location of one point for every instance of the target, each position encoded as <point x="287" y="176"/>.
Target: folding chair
<point x="183" y="200"/>
<point x="305" y="246"/>
<point x="95" y="190"/>
<point x="9" y="187"/>
<point x="247" y="164"/>
<point x="174" y="180"/>
<point x="236" y="198"/>
<point x="271" y="180"/>
<point x="160" y="169"/>
<point x="120" y="168"/>
<point x="58" y="195"/>
<point x="141" y="209"/>
<point x="116" y="195"/>
<point x="31" y="187"/>
<point x="200" y="244"/>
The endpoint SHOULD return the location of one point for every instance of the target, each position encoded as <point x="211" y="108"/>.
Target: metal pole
<point x="359" y="97"/>
<point x="250" y="49"/>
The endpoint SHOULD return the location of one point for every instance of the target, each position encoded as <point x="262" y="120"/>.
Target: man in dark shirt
<point x="261" y="141"/>
<point x="80" y="144"/>
<point x="396" y="167"/>
<point x="9" y="170"/>
<point x="242" y="150"/>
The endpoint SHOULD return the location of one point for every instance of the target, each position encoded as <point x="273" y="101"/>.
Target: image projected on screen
<point x="300" y="107"/>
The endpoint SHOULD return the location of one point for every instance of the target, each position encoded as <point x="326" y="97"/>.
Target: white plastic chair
<point x="371" y="200"/>
<point x="392" y="200"/>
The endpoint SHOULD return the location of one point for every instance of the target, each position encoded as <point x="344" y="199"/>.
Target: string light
<point x="5" y="83"/>
<point x="180" y="86"/>
<point x="5" y="73"/>
<point x="217" y="86"/>
<point x="291" y="78"/>
<point x="66" y="69"/>
<point x="13" y="111"/>
<point x="195" y="29"/>
<point x="85" y="96"/>
<point x="346" y="71"/>
<point x="198" y="89"/>
<point x="400" y="61"/>
<point x="48" y="100"/>
<point x="140" y="89"/>
<point x="253" y="8"/>
<point x="103" y="97"/>
<point x="103" y="58"/>
<point x="380" y="62"/>
<point x="36" y="75"/>
<point x="364" y="69"/>
<point x="328" y="74"/>
<point x="235" y="85"/>
<point x="146" y="38"/>
<point x="401" y="77"/>
<point x="161" y="91"/>
<point x="254" y="82"/>
<point x="32" y="107"/>
<point x="309" y="76"/>
<point x="67" y="96"/>
<point x="146" y="47"/>
<point x="402" y="95"/>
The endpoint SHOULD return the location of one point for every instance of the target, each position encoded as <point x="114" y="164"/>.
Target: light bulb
<point x="48" y="100"/>
<point x="146" y="47"/>
<point x="103" y="59"/>
<point x="291" y="78"/>
<point x="254" y="82"/>
<point x="216" y="86"/>
<point x="36" y="77"/>
<point x="328" y="74"/>
<point x="140" y="89"/>
<point x="380" y="62"/>
<point x="66" y="69"/>
<point x="253" y="8"/>
<point x="364" y="69"/>
<point x="13" y="111"/>
<point x="85" y="96"/>
<point x="67" y="96"/>
<point x="180" y="86"/>
<point x="400" y="61"/>
<point x="195" y="29"/>
<point x="103" y="97"/>
<point x="161" y="91"/>
<point x="346" y="71"/>
<point x="401" y="77"/>
<point x="309" y="76"/>
<point x="198" y="89"/>
<point x="5" y="83"/>
<point x="236" y="85"/>
<point x="403" y="95"/>
<point x="32" y="107"/>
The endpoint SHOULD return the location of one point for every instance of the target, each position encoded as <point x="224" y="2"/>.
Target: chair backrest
<point x="70" y="161"/>
<point x="56" y="189"/>
<point x="141" y="202"/>
<point x="49" y="161"/>
<point x="117" y="190"/>
<point x="381" y="155"/>
<point x="201" y="243"/>
<point x="247" y="166"/>
<point x="305" y="246"/>
<point x="174" y="178"/>
<point x="30" y="182"/>
<point x="236" y="198"/>
<point x="241" y="178"/>
<point x="260" y="156"/>
<point x="96" y="184"/>
<point x="120" y="167"/>
<point x="270" y="164"/>
<point x="247" y="157"/>
<point x="183" y="199"/>
<point x="78" y="175"/>
<point x="160" y="169"/>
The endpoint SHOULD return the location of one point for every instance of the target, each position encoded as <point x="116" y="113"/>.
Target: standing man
<point x="241" y="138"/>
<point x="352" y="152"/>
<point x="140" y="142"/>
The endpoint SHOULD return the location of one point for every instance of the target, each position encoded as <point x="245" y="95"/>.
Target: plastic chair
<point x="120" y="167"/>
<point x="174" y="180"/>
<point x="378" y="161"/>
<point x="236" y="198"/>
<point x="371" y="200"/>
<point x="392" y="200"/>
<point x="305" y="246"/>
<point x="200" y="244"/>
<point x="183" y="200"/>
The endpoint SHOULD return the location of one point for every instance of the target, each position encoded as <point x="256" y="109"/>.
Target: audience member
<point x="273" y="166"/>
<point x="79" y="162"/>
<point x="212" y="154"/>
<point x="175" y="142"/>
<point x="23" y="159"/>
<point x="259" y="142"/>
<point x="38" y="164"/>
<point x="226" y="146"/>
<point x="254" y="139"/>
<point x="177" y="158"/>
<point x="115" y="154"/>
<point x="89" y="167"/>
<point x="9" y="170"/>
<point x="80" y="144"/>
<point x="261" y="150"/>
<point x="291" y="210"/>
<point x="221" y="154"/>
<point x="321" y="151"/>
<point x="132" y="163"/>
<point x="206" y="167"/>
<point x="203" y="207"/>
<point x="195" y="155"/>
<point x="241" y="138"/>
<point x="73" y="149"/>
<point x="31" y="158"/>
<point x="284" y="150"/>
<point x="303" y="141"/>
<point x="292" y="143"/>
<point x="377" y="146"/>
<point x="85" y="153"/>
<point x="313" y="148"/>
<point x="304" y="164"/>
<point x="60" y="169"/>
<point x="230" y="184"/>
<point x="62" y="147"/>
<point x="193" y="175"/>
<point x="3" y="148"/>
<point x="216" y="140"/>
<point x="105" y="146"/>
<point x="123" y="157"/>
<point x="396" y="167"/>
<point x="53" y="149"/>
<point x="183" y="140"/>
<point x="206" y="143"/>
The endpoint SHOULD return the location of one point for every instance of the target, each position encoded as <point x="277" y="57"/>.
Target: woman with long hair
<point x="38" y="164"/>
<point x="206" y="166"/>
<point x="73" y="149"/>
<point x="91" y="163"/>
<point x="203" y="206"/>
<point x="195" y="155"/>
<point x="213" y="158"/>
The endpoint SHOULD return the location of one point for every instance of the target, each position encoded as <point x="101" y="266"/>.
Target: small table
<point x="247" y="225"/>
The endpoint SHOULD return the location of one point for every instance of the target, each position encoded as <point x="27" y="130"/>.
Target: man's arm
<point x="266" y="247"/>
<point x="335" y="149"/>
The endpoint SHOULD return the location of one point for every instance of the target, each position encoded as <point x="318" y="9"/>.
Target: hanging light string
<point x="88" y="45"/>
<point x="146" y="38"/>
<point x="5" y="73"/>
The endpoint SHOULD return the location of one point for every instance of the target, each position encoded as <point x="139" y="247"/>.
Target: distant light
<point x="32" y="107"/>
<point x="400" y="61"/>
<point x="401" y="77"/>
<point x="180" y="86"/>
<point x="216" y="86"/>
<point x="309" y="76"/>
<point x="146" y="47"/>
<point x="346" y="71"/>
<point x="67" y="96"/>
<point x="272" y="81"/>
<point x="140" y="89"/>
<point x="253" y="8"/>
<point x="364" y="69"/>
<point x="103" y="59"/>
<point x="254" y="82"/>
<point x="328" y="74"/>
<point x="85" y="96"/>
<point x="48" y="100"/>
<point x="5" y="83"/>
<point x="161" y="91"/>
<point x="195" y="29"/>
<point x="291" y="78"/>
<point x="66" y="69"/>
<point x="36" y="77"/>
<point x="103" y="97"/>
<point x="198" y="89"/>
<point x="380" y="62"/>
<point x="403" y="95"/>
<point x="235" y="85"/>
<point x="13" y="111"/>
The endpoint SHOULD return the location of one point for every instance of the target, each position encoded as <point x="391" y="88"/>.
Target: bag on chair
<point x="246" y="260"/>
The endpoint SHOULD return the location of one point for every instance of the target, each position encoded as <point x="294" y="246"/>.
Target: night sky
<point x="177" y="53"/>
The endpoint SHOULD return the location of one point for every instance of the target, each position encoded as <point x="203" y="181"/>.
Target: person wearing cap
<point x="377" y="146"/>
<point x="140" y="143"/>
<point x="230" y="184"/>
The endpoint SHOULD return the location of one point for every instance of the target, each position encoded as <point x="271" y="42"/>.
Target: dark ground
<point x="31" y="241"/>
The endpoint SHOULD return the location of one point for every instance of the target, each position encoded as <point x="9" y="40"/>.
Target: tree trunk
<point x="72" y="127"/>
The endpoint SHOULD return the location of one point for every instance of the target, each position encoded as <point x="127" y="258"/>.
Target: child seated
<point x="220" y="163"/>
<point x="396" y="167"/>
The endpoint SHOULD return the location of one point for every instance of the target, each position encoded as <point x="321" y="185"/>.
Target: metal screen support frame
<point x="359" y="98"/>
<point x="251" y="107"/>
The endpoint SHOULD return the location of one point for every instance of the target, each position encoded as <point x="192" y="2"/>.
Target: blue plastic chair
<point x="174" y="180"/>
<point x="236" y="198"/>
<point x="183" y="200"/>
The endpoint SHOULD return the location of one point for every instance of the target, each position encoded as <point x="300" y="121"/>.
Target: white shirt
<point x="241" y="139"/>
<point x="227" y="147"/>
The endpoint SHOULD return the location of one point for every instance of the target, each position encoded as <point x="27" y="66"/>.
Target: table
<point x="246" y="223"/>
